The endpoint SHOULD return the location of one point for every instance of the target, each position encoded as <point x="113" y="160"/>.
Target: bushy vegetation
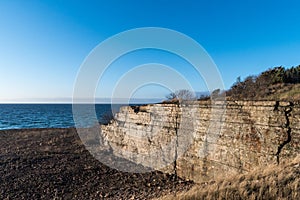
<point x="274" y="84"/>
<point x="266" y="84"/>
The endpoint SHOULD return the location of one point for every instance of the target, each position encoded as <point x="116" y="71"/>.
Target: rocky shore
<point x="53" y="164"/>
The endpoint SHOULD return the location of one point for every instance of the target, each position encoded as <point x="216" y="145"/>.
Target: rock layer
<point x="206" y="139"/>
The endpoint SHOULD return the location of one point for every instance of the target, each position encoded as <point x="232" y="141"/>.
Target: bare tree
<point x="215" y="93"/>
<point x="171" y="96"/>
<point x="182" y="95"/>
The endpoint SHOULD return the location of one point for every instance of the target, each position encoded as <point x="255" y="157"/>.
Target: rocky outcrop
<point x="206" y="139"/>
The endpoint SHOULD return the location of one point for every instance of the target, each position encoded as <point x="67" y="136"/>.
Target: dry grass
<point x="286" y="92"/>
<point x="273" y="182"/>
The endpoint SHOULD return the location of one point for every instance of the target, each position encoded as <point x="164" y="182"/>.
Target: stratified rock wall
<point x="207" y="139"/>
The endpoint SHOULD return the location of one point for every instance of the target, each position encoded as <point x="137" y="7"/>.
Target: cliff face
<point x="203" y="140"/>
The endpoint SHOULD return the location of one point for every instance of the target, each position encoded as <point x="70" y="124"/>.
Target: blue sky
<point x="43" y="43"/>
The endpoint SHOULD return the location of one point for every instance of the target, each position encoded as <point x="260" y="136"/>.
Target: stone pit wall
<point x="207" y="139"/>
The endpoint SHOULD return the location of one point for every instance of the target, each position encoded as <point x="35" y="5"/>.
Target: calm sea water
<point x="18" y="116"/>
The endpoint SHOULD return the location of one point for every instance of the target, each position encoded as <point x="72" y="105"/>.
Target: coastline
<point x="52" y="163"/>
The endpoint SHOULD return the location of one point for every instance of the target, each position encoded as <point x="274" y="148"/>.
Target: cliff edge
<point x="203" y="140"/>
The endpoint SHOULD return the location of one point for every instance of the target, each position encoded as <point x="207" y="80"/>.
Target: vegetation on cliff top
<point x="274" y="84"/>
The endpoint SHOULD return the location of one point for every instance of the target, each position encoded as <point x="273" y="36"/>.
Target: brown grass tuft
<point x="273" y="182"/>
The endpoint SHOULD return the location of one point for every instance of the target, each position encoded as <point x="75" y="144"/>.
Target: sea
<point x="24" y="116"/>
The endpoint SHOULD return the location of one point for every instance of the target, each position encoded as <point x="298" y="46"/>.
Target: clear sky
<point x="43" y="43"/>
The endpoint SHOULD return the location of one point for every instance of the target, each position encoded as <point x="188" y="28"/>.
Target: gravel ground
<point x="53" y="164"/>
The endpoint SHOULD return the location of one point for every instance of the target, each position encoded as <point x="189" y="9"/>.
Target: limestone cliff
<point x="204" y="139"/>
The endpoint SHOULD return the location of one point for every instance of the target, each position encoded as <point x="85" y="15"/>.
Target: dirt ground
<point x="53" y="164"/>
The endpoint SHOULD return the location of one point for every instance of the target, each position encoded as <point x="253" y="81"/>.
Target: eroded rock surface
<point x="203" y="140"/>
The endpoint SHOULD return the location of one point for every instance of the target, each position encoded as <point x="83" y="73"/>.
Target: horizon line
<point x="80" y="101"/>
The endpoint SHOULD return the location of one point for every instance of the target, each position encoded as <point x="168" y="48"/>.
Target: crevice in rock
<point x="205" y="155"/>
<point x="176" y="141"/>
<point x="276" y="106"/>
<point x="287" y="112"/>
<point x="136" y="109"/>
